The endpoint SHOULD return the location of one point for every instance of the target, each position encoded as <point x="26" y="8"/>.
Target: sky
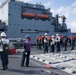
<point x="60" y="7"/>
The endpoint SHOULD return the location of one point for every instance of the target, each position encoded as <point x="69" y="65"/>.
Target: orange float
<point x="28" y="15"/>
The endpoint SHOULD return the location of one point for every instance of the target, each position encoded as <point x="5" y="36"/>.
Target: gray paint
<point x="15" y="23"/>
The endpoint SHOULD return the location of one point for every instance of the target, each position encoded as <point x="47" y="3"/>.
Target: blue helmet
<point x="27" y="36"/>
<point x="65" y="35"/>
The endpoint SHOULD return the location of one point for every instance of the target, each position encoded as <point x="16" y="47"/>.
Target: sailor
<point x="5" y="50"/>
<point x="49" y="38"/>
<point x="46" y="43"/>
<point x="37" y="41"/>
<point x="26" y="52"/>
<point x="52" y="43"/>
<point x="40" y="42"/>
<point x="43" y="40"/>
<point x="57" y="39"/>
<point x="65" y="40"/>
<point x="73" y="42"/>
<point x="61" y="41"/>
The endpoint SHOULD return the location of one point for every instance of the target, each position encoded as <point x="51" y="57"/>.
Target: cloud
<point x="61" y="11"/>
<point x="73" y="26"/>
<point x="74" y="4"/>
<point x="48" y="4"/>
<point x="66" y="10"/>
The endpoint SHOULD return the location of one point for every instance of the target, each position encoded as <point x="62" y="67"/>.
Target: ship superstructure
<point x="33" y="19"/>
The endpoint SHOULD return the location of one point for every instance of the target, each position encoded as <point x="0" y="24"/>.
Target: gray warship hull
<point x="19" y="19"/>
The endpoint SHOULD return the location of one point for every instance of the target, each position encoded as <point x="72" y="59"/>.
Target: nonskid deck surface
<point x="65" y="61"/>
<point x="35" y="67"/>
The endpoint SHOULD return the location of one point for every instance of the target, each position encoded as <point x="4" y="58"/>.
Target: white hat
<point x="57" y="34"/>
<point x="52" y="36"/>
<point x="3" y="34"/>
<point x="46" y="34"/>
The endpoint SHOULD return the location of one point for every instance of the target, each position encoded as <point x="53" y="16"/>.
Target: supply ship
<point x="18" y="19"/>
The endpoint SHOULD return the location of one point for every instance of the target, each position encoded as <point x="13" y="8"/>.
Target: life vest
<point x="5" y="45"/>
<point x="39" y="39"/>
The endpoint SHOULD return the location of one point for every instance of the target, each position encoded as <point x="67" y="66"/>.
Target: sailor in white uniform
<point x="4" y="52"/>
<point x="52" y="43"/>
<point x="46" y="43"/>
<point x="57" y="39"/>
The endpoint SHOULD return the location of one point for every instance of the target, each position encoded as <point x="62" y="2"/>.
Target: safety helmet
<point x="3" y="34"/>
<point x="27" y="36"/>
<point x="52" y="36"/>
<point x="46" y="34"/>
<point x="57" y="34"/>
<point x="65" y="35"/>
